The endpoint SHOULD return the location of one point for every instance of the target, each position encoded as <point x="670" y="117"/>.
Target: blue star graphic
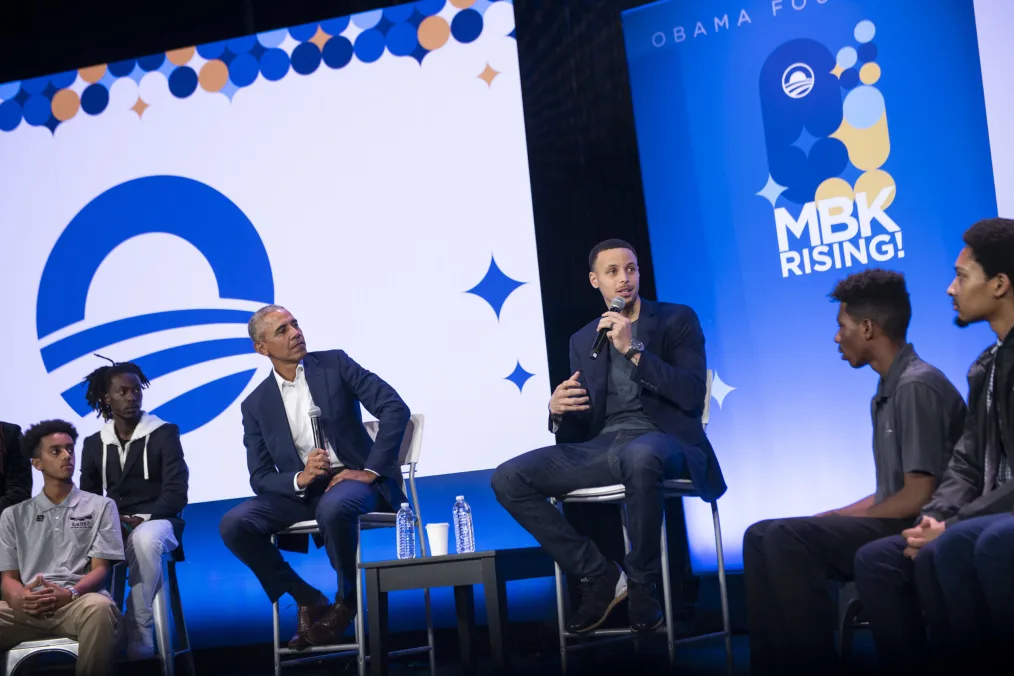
<point x="519" y="377"/>
<point x="495" y="287"/>
<point x="771" y="190"/>
<point x="805" y="141"/>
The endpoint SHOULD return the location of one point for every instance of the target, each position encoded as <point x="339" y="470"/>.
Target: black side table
<point x="492" y="569"/>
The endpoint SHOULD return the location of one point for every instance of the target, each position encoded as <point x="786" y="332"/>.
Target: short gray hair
<point x="253" y="327"/>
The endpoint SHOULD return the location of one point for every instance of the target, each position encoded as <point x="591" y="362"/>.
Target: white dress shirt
<point x="297" y="401"/>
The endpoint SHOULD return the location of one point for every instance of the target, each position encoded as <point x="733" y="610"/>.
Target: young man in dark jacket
<point x="929" y="575"/>
<point x="136" y="460"/>
<point x="15" y="470"/>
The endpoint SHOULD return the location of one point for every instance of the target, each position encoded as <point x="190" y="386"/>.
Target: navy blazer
<point x="337" y="385"/>
<point x="672" y="373"/>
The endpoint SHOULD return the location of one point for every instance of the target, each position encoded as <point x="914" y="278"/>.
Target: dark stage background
<point x="586" y="187"/>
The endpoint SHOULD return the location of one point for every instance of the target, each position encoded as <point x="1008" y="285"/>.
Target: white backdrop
<point x="380" y="191"/>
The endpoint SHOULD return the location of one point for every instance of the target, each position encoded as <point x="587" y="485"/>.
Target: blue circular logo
<point x="172" y="205"/>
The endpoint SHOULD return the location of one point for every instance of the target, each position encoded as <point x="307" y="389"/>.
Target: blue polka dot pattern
<point x="37" y="110"/>
<point x="241" y="45"/>
<point x="305" y="58"/>
<point x="429" y="7"/>
<point x="9" y="90"/>
<point x="183" y="82"/>
<point x="10" y="115"/>
<point x="398" y="13"/>
<point x="466" y="26"/>
<point x="335" y="26"/>
<point x="212" y="50"/>
<point x="849" y="78"/>
<point x="337" y="52"/>
<point x="402" y="39"/>
<point x="272" y="38"/>
<point x="304" y="32"/>
<point x="867" y="52"/>
<point x="122" y="68"/>
<point x="274" y="64"/>
<point x="94" y="99"/>
<point x="243" y="70"/>
<point x="364" y="36"/>
<point x="63" y="80"/>
<point x="369" y="46"/>
<point x="150" y="63"/>
<point x="35" y="85"/>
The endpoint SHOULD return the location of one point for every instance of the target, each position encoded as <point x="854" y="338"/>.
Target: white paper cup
<point x="437" y="535"/>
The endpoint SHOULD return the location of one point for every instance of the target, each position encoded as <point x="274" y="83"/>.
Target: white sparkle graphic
<point x="771" y="190"/>
<point x="719" y="389"/>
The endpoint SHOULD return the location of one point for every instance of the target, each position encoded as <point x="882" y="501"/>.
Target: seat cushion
<point x="672" y="488"/>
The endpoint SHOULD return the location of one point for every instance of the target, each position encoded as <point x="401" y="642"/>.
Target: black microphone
<point x="600" y="340"/>
<point x="318" y="436"/>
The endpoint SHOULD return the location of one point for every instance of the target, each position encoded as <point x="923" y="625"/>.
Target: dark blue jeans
<point x="247" y="528"/>
<point x="640" y="461"/>
<point x="959" y="587"/>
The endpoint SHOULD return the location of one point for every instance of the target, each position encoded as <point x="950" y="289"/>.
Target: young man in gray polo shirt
<point x="56" y="552"/>
<point x="917" y="418"/>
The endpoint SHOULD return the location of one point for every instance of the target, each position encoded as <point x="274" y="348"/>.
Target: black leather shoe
<point x="330" y="628"/>
<point x="306" y="618"/>
<point x="643" y="607"/>
<point x="598" y="596"/>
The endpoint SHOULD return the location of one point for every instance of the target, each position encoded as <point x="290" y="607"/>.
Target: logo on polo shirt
<point x="81" y="521"/>
<point x="39" y="517"/>
<point x="181" y="331"/>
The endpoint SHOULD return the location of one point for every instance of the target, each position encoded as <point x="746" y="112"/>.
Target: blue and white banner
<point x="784" y="145"/>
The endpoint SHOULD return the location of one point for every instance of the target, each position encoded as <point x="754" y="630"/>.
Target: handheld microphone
<point x="318" y="435"/>
<point x="600" y="340"/>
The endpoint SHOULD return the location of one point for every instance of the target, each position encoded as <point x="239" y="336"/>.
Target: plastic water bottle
<point x="405" y="523"/>
<point x="464" y="536"/>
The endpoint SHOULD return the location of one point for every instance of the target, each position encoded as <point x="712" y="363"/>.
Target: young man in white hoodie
<point x="137" y="460"/>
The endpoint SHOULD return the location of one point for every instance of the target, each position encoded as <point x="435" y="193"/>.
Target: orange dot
<point x="462" y="4"/>
<point x="214" y="75"/>
<point x="433" y="33"/>
<point x="65" y="104"/>
<point x="182" y="56"/>
<point x="93" y="73"/>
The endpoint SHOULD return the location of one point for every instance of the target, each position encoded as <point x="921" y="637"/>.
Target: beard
<point x="961" y="323"/>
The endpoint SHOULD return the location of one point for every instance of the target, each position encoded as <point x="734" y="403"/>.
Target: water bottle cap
<point x="460" y="497"/>
<point x="404" y="504"/>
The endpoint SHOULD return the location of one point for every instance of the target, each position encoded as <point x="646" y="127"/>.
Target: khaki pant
<point x="91" y="620"/>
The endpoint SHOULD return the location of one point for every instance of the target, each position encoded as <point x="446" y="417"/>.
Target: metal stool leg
<point x="163" y="634"/>
<point x="360" y="633"/>
<point x="429" y="633"/>
<point x="726" y="626"/>
<point x="179" y="623"/>
<point x="560" y="617"/>
<point x="667" y="596"/>
<point x="275" y="627"/>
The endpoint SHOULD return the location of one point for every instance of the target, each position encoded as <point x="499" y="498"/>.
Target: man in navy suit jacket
<point x="294" y="481"/>
<point x="631" y="416"/>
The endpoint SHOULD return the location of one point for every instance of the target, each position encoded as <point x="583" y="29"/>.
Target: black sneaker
<point x="644" y="609"/>
<point x="598" y="598"/>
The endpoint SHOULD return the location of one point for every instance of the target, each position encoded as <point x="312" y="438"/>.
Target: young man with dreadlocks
<point x="137" y="460"/>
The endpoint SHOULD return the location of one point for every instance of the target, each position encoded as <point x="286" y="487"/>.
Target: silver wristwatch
<point x="636" y="347"/>
<point x="73" y="594"/>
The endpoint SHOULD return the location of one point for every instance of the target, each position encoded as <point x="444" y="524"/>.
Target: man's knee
<point x="878" y="556"/>
<point x="233" y="525"/>
<point x="504" y="478"/>
<point x="996" y="544"/>
<point x="753" y="538"/>
<point x="641" y="462"/>
<point x="98" y="610"/>
<point x="338" y="510"/>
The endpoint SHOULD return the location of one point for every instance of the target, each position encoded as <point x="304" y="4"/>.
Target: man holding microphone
<point x="294" y="479"/>
<point x="631" y="414"/>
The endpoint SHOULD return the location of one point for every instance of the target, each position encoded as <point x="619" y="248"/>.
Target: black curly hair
<point x="877" y="295"/>
<point x="31" y="442"/>
<point x="992" y="243"/>
<point x="98" y="383"/>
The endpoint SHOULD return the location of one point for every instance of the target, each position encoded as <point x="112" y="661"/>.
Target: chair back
<point x="411" y="444"/>
<point x="706" y="415"/>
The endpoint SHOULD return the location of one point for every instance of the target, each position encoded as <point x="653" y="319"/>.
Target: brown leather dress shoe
<point x="307" y="616"/>
<point x="330" y="628"/>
